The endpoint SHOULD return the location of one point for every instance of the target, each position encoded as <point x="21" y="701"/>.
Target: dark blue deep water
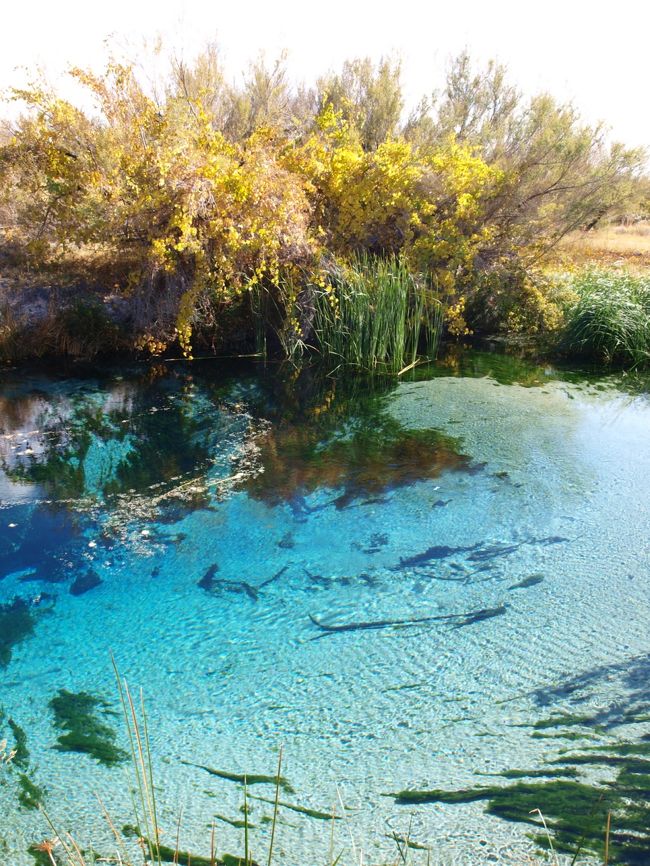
<point x="203" y="525"/>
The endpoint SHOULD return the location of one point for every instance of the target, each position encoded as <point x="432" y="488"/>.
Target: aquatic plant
<point x="574" y="811"/>
<point x="76" y="714"/>
<point x="30" y="795"/>
<point x="246" y="778"/>
<point x="21" y="752"/>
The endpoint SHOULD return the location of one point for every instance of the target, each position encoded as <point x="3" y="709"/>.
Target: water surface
<point x="200" y="524"/>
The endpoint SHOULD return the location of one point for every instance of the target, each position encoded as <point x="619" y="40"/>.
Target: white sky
<point x="594" y="53"/>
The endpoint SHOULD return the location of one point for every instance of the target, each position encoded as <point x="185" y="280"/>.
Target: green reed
<point x="376" y="316"/>
<point x="610" y="317"/>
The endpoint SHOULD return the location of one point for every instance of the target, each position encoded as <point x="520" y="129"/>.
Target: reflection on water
<point x="409" y="586"/>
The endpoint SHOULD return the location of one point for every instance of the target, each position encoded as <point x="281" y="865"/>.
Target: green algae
<point x="624" y="749"/>
<point x="405" y="840"/>
<point x="30" y="795"/>
<point x="555" y="773"/>
<point x="527" y="582"/>
<point x="301" y="810"/>
<point x="563" y="720"/>
<point x="39" y="855"/>
<point x="165" y="854"/>
<point x="246" y="778"/>
<point x="16" y="624"/>
<point x="172" y="855"/>
<point x="575" y="812"/>
<point x="572" y="809"/>
<point x="562" y="735"/>
<point x="609" y="760"/>
<point x="238" y="823"/>
<point x="76" y="714"/>
<point x="21" y="758"/>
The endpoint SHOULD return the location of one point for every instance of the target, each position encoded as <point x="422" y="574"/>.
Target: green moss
<point x="76" y="714"/>
<point x="21" y="758"/>
<point x="30" y="795"/>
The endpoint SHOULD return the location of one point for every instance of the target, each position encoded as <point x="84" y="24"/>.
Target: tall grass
<point x="376" y="316"/>
<point x="610" y="317"/>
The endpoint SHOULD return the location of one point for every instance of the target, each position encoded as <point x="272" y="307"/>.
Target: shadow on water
<point x="338" y="435"/>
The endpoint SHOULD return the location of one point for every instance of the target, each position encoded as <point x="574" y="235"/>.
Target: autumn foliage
<point x="214" y="205"/>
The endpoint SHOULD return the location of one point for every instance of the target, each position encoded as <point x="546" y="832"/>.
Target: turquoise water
<point x="200" y="524"/>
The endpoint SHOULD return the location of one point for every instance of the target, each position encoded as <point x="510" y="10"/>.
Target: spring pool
<point x="432" y="585"/>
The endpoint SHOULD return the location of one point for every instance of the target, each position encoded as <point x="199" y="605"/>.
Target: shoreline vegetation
<point x="184" y="215"/>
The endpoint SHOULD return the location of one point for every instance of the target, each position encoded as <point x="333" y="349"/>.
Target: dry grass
<point x="618" y="245"/>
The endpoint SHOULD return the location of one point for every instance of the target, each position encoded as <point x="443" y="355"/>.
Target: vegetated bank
<point x="271" y="218"/>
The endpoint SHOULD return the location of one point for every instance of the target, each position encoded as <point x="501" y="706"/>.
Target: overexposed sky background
<point x="592" y="53"/>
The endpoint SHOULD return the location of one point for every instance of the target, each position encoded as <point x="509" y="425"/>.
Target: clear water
<point x="314" y="498"/>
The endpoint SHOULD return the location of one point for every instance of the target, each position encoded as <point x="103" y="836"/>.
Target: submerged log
<point x="455" y="619"/>
<point x="531" y="580"/>
<point x="438" y="551"/>
<point x="211" y="583"/>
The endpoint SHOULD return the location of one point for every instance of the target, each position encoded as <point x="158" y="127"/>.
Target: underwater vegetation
<point x="301" y="810"/>
<point x="30" y="795"/>
<point x="76" y="713"/>
<point x="246" y="778"/>
<point x="21" y="758"/>
<point x="16" y="624"/>
<point x="576" y="810"/>
<point x="165" y="854"/>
